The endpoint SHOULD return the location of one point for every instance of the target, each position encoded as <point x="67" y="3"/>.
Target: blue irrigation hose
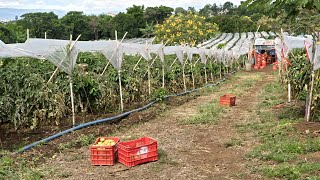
<point x="120" y="116"/>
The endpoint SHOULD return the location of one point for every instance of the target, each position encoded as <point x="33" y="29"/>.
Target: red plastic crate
<point x="138" y="151"/>
<point x="104" y="155"/>
<point x="228" y="99"/>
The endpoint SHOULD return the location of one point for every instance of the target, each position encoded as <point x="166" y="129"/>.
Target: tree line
<point x="140" y="22"/>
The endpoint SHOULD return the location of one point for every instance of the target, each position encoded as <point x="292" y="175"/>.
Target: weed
<point x="289" y="171"/>
<point x="207" y="114"/>
<point x="233" y="142"/>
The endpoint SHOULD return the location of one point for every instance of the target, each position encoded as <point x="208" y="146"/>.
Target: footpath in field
<point x="196" y="140"/>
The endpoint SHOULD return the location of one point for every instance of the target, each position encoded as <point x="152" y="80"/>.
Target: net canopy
<point x="179" y="51"/>
<point x="115" y="55"/>
<point x="316" y="65"/>
<point x="64" y="58"/>
<point x="291" y="42"/>
<point x="7" y="51"/>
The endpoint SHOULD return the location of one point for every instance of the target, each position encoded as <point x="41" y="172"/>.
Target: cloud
<point x="103" y="6"/>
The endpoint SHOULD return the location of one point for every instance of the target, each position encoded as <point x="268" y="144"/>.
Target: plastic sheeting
<point x="64" y="58"/>
<point x="7" y="51"/>
<point x="179" y="51"/>
<point x="115" y="55"/>
<point x="202" y="54"/>
<point x="316" y="65"/>
<point x="278" y="48"/>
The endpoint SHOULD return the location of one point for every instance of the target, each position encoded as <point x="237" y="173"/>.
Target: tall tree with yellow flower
<point x="181" y="29"/>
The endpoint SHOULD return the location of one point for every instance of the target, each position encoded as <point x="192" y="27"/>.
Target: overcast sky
<point x="104" y="6"/>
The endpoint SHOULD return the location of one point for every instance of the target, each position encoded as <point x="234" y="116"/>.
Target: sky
<point x="104" y="6"/>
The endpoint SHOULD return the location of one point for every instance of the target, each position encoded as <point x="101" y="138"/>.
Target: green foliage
<point x="221" y="46"/>
<point x="207" y="114"/>
<point x="28" y="101"/>
<point x="6" y="35"/>
<point x="157" y="14"/>
<point x="181" y="29"/>
<point x="39" y="23"/>
<point x="289" y="171"/>
<point x="76" y="23"/>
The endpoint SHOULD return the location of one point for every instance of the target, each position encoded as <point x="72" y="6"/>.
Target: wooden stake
<point x="184" y="78"/>
<point x="312" y="81"/>
<point x="120" y="89"/>
<point x="149" y="78"/>
<point x="162" y="74"/>
<point x="205" y="73"/>
<point x="28" y="33"/>
<point x="134" y="68"/>
<point x="192" y="76"/>
<point x="289" y="92"/>
<point x="72" y="102"/>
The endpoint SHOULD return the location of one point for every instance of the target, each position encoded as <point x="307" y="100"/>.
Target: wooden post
<point x="163" y="74"/>
<point x="72" y="102"/>
<point x="45" y="35"/>
<point x="211" y="70"/>
<point x="28" y="33"/>
<point x="312" y="81"/>
<point x="205" y="73"/>
<point x="289" y="92"/>
<point x="120" y="89"/>
<point x="184" y="77"/>
<point x="192" y="75"/>
<point x="149" y="78"/>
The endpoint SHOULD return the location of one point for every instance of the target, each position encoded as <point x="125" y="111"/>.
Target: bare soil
<point x="186" y="151"/>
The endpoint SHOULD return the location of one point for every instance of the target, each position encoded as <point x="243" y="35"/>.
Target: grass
<point x="281" y="146"/>
<point x="18" y="168"/>
<point x="83" y="140"/>
<point x="233" y="142"/>
<point x="208" y="113"/>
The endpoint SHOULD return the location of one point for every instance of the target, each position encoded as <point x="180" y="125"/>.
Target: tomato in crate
<point x="228" y="99"/>
<point x="138" y="151"/>
<point x="104" y="151"/>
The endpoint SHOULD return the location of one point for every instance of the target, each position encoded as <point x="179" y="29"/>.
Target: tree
<point x="77" y="23"/>
<point x="6" y="35"/>
<point x="123" y="23"/>
<point x="192" y="9"/>
<point x="180" y="10"/>
<point x="268" y="24"/>
<point x="157" y="14"/>
<point x="148" y="30"/>
<point x="292" y="8"/>
<point x="181" y="29"/>
<point x="137" y="12"/>
<point x="104" y="26"/>
<point x="18" y="31"/>
<point x="39" y="23"/>
<point x="93" y="24"/>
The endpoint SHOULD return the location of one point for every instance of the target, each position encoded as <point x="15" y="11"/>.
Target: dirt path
<point x="186" y="151"/>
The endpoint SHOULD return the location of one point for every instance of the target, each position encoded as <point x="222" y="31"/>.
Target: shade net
<point x="115" y="55"/>
<point x="64" y="58"/>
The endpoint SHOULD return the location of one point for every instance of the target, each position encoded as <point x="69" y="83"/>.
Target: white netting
<point x="291" y="42"/>
<point x="278" y="48"/>
<point x="114" y="55"/>
<point x="179" y="51"/>
<point x="309" y="46"/>
<point x="316" y="65"/>
<point x="64" y="58"/>
<point x="8" y="51"/>
<point x="202" y="54"/>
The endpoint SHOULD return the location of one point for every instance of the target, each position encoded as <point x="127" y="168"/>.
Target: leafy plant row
<point x="27" y="100"/>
